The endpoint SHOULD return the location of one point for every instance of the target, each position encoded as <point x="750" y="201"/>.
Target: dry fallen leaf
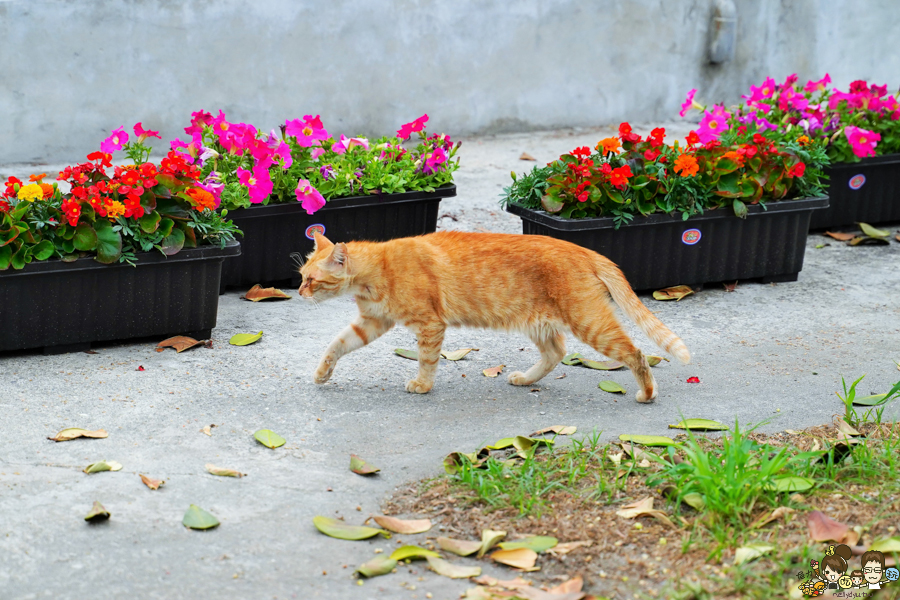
<point x="568" y="547"/>
<point x="573" y="585"/>
<point x="153" y="484"/>
<point x="673" y="293"/>
<point x="823" y="528"/>
<point x="768" y="517"/>
<point x="406" y="527"/>
<point x="103" y="465"/>
<point x="223" y="472"/>
<point x="453" y="571"/>
<point x="730" y="287"/>
<point x="361" y="467"/>
<point x="510" y="584"/>
<point x="257" y="293"/>
<point x="526" y="156"/>
<point x="493" y="371"/>
<point x="557" y="429"/>
<point x="179" y="342"/>
<point x="845" y="428"/>
<point x="459" y="547"/>
<point x="841" y="237"/>
<point x="97" y="513"/>
<point x="520" y="558"/>
<point x="643" y="507"/>
<point x="74" y="432"/>
<point x="455" y="355"/>
<point x="207" y="430"/>
<point x="489" y="539"/>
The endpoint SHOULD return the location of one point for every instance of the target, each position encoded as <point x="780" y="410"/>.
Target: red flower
<point x="759" y="139"/>
<point x="651" y="154"/>
<point x="693" y="380"/>
<point x="4" y="206"/>
<point x="797" y="170"/>
<point x="712" y="144"/>
<point x="104" y="158"/>
<point x="742" y="129"/>
<point x="747" y="150"/>
<point x="605" y="169"/>
<point x="692" y="138"/>
<point x="582" y="152"/>
<point x="626" y="135"/>
<point x="619" y="177"/>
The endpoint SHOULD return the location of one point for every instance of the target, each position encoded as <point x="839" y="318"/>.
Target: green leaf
<point x="173" y="243"/>
<point x="572" y="359"/>
<point x="456" y="354"/>
<point x="740" y="209"/>
<point x="611" y="386"/>
<point x="85" y="238"/>
<point x="342" y="531"/>
<point x="361" y="467"/>
<point x="43" y="250"/>
<point x="269" y="438"/>
<point x="751" y="552"/>
<point x="380" y="565"/>
<point x="551" y="203"/>
<point x="699" y="425"/>
<point x="874" y="400"/>
<point x="245" y="339"/>
<point x="97" y="513"/>
<point x="502" y="443"/>
<point x="460" y="547"/>
<point x="538" y="543"/>
<point x="647" y="440"/>
<point x="694" y="500"/>
<point x="412" y="552"/>
<point x="5" y="257"/>
<point x="791" y="483"/>
<point x="655" y="360"/>
<point x="150" y="222"/>
<point x="165" y="227"/>
<point x="602" y="365"/>
<point x="109" y="242"/>
<point x="197" y="518"/>
<point x="489" y="539"/>
<point x="103" y="465"/>
<point x="887" y="545"/>
<point x="20" y="258"/>
<point x="410" y="354"/>
<point x="453" y="571"/>
<point x="873" y="232"/>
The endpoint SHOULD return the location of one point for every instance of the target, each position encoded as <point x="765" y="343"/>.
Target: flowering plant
<point x="628" y="175"/>
<point x="864" y="121"/>
<point x="302" y="162"/>
<point x="111" y="215"/>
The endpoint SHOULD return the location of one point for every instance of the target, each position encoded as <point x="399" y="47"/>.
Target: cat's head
<point x="325" y="273"/>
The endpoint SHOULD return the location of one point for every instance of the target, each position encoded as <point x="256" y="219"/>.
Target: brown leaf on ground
<point x="573" y="585"/>
<point x="207" y="430"/>
<point x="730" y="287"/>
<point x="519" y="558"/>
<point x="526" y="156"/>
<point x="493" y="371"/>
<point x="841" y="237"/>
<point x="458" y="547"/>
<point x="489" y="539"/>
<point x="179" y="342"/>
<point x="406" y="527"/>
<point x="223" y="472"/>
<point x="74" y="432"/>
<point x="557" y="429"/>
<point x="534" y="593"/>
<point x="153" y="484"/>
<point x="823" y="528"/>
<point x="257" y="293"/>
<point x="641" y="508"/>
<point x="676" y="292"/>
<point x="361" y="467"/>
<point x="845" y="427"/>
<point x="510" y="584"/>
<point x="768" y="517"/>
<point x="568" y="547"/>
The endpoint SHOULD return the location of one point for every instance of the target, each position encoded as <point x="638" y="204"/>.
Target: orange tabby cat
<point x="537" y="285"/>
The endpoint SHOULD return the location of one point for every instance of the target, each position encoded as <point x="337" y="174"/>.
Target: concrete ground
<point x="764" y="353"/>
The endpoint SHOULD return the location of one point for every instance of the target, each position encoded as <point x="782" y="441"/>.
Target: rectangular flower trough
<point x="64" y="307"/>
<point x="277" y="237"/>
<point x="663" y="250"/>
<point x="867" y="191"/>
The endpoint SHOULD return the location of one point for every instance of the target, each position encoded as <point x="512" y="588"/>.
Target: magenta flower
<point x="198" y="120"/>
<point x="308" y="196"/>
<point x="308" y="132"/>
<point x="688" y="103"/>
<point x="219" y="124"/>
<point x="789" y="82"/>
<point x="317" y="152"/>
<point x="115" y="141"/>
<point x="790" y="99"/>
<point x="766" y="90"/>
<point x="345" y="143"/>
<point x="862" y="141"/>
<point x="879" y="90"/>
<point x="409" y="128"/>
<point x="434" y="160"/>
<point x="143" y="134"/>
<point x="713" y="124"/>
<point x="820" y="85"/>
<point x="258" y="183"/>
<point x="191" y="150"/>
<point x="280" y="149"/>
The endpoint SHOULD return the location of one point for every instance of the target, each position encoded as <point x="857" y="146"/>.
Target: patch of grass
<point x="874" y="413"/>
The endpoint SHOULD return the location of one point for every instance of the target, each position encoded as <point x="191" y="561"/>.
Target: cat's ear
<point x="321" y="241"/>
<point x="338" y="256"/>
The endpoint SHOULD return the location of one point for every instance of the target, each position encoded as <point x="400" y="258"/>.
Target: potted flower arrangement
<point x="736" y="207"/>
<point x="279" y="187"/>
<point x="860" y="129"/>
<point x="128" y="251"/>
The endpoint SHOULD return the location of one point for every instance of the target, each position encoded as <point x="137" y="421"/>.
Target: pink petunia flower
<point x="713" y="124"/>
<point x="198" y="120"/>
<point x="280" y="149"/>
<point x="308" y="196"/>
<point x="689" y="103"/>
<point x="879" y="90"/>
<point x="862" y="141"/>
<point x="317" y="152"/>
<point x="820" y="85"/>
<point x="766" y="90"/>
<point x="789" y="82"/>
<point x="258" y="183"/>
<point x="308" y="132"/>
<point x="345" y="143"/>
<point x="115" y="141"/>
<point x="790" y="99"/>
<point x="219" y="124"/>
<point x="408" y="129"/>
<point x="143" y="134"/>
<point x="434" y="160"/>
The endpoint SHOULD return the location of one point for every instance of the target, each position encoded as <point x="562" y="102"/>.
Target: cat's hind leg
<point x="361" y="331"/>
<point x="608" y="338"/>
<point x="431" y="337"/>
<point x="552" y="345"/>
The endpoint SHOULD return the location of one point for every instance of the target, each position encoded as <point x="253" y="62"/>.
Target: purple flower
<point x="434" y="160"/>
<point x="327" y="172"/>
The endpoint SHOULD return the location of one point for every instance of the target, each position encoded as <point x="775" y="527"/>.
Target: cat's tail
<point x="632" y="306"/>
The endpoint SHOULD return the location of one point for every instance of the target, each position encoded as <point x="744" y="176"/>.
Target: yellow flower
<point x="803" y="140"/>
<point x="30" y="192"/>
<point x="114" y="209"/>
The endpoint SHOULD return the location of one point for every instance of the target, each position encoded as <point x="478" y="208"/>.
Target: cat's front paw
<point x="324" y="371"/>
<point x="518" y="378"/>
<point x="643" y="398"/>
<point x="418" y="387"/>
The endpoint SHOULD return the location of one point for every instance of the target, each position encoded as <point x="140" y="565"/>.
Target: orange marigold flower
<point x="114" y="209"/>
<point x="37" y="178"/>
<point x="803" y="140"/>
<point x="686" y="165"/>
<point x="735" y="157"/>
<point x="609" y="145"/>
<point x="202" y="198"/>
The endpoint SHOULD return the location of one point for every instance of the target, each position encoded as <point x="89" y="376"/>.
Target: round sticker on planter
<point x="857" y="181"/>
<point x="313" y="229"/>
<point x="691" y="236"/>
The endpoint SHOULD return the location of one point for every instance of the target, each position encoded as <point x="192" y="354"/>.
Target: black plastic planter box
<point x="273" y="233"/>
<point x="867" y="191"/>
<point x="63" y="307"/>
<point x="663" y="250"/>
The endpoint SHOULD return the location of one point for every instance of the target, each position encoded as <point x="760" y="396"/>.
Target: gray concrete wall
<point x="72" y="70"/>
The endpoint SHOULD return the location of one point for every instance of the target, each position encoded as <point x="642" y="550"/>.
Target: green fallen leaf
<point x="872" y="231"/>
<point x="528" y="446"/>
<point x="103" y="465"/>
<point x="457" y="354"/>
<point x="223" y="472"/>
<point x="448" y="569"/>
<point x="647" y="440"/>
<point x="820" y="246"/>
<point x="361" y="467"/>
<point x="572" y="359"/>
<point x="791" y="483"/>
<point x="602" y="365"/>
<point x="97" y="513"/>
<point x="538" y="543"/>
<point x="887" y="545"/>
<point x="410" y="354"/>
<point x="245" y="339"/>
<point x="874" y="400"/>
<point x="197" y="518"/>
<point x="380" y="565"/>
<point x="694" y="500"/>
<point x="751" y="552"/>
<point x="412" y="553"/>
<point x="489" y="539"/>
<point x="655" y="360"/>
<point x="501" y="443"/>
<point x="611" y="386"/>
<point x="269" y="438"/>
<point x="340" y="530"/>
<point x="460" y="547"/>
<point x="699" y="425"/>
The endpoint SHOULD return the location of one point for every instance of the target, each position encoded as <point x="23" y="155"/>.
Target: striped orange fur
<point x="537" y="285"/>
